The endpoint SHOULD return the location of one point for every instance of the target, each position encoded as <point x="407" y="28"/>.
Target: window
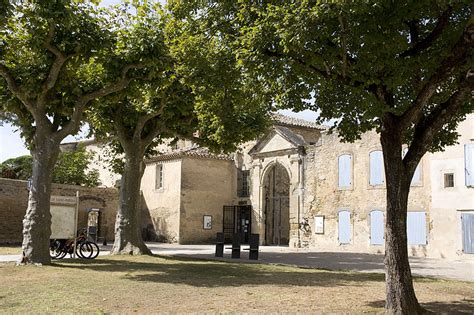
<point x="159" y="176"/>
<point x="243" y="187"/>
<point x="345" y="171"/>
<point x="448" y="180"/>
<point x="416" y="228"/>
<point x="376" y="228"/>
<point x="469" y="164"/>
<point x="344" y="227"/>
<point x="376" y="168"/>
<point x="416" y="179"/>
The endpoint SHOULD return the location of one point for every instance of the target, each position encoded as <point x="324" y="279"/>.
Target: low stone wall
<point x="14" y="201"/>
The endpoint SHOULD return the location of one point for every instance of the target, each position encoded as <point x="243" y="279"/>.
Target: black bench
<point x="220" y="245"/>
<point x="235" y="245"/>
<point x="254" y="245"/>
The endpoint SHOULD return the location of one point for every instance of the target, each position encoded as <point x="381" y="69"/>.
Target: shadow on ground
<point x="453" y="307"/>
<point x="221" y="274"/>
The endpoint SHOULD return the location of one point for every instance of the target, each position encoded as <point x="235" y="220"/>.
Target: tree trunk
<point x="37" y="220"/>
<point x="128" y="237"/>
<point x="401" y="298"/>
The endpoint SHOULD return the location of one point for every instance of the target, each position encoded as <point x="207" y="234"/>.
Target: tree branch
<point x="16" y="90"/>
<point x="426" y="42"/>
<point x="430" y="125"/>
<point x="56" y="67"/>
<point x="459" y="55"/>
<point x="144" y="119"/>
<point x="73" y="125"/>
<point x="156" y="130"/>
<point x="343" y="24"/>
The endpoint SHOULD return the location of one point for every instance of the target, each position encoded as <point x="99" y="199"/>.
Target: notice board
<point x="63" y="217"/>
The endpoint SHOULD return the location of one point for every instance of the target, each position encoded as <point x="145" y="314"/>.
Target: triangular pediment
<point x="278" y="139"/>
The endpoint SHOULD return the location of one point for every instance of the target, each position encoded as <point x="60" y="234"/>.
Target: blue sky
<point x="11" y="144"/>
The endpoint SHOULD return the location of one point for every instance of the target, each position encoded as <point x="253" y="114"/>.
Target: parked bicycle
<point x="59" y="248"/>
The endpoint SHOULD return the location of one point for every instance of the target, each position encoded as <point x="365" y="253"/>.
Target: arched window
<point x="345" y="171"/>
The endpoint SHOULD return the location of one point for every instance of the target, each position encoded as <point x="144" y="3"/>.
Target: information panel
<point x="63" y="217"/>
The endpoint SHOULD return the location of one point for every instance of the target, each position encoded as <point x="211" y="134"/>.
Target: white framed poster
<point x="64" y="216"/>
<point x="207" y="222"/>
<point x="319" y="224"/>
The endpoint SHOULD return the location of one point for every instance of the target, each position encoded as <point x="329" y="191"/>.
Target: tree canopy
<point x="401" y="68"/>
<point x="71" y="168"/>
<point x="56" y="57"/>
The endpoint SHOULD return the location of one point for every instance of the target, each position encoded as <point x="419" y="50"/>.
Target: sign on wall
<point x="319" y="224"/>
<point x="207" y="222"/>
<point x="63" y="217"/>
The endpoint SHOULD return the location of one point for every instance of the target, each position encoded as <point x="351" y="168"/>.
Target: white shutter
<point x="345" y="165"/>
<point x="416" y="228"/>
<point x="376" y="168"/>
<point x="416" y="179"/>
<point x="469" y="164"/>
<point x="344" y="225"/>
<point x="376" y="227"/>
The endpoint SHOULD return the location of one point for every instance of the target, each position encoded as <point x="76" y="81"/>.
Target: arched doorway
<point x="276" y="206"/>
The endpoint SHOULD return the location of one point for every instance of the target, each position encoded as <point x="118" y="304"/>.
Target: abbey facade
<point x="300" y="186"/>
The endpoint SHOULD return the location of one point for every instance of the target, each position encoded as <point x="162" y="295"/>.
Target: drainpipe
<point x="301" y="159"/>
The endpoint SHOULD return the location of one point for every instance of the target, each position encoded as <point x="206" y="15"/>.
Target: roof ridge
<point x="286" y="120"/>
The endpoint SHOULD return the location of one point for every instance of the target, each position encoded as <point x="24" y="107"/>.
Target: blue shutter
<point x="416" y="179"/>
<point x="467" y="233"/>
<point x="344" y="227"/>
<point x="376" y="227"/>
<point x="416" y="228"/>
<point x="344" y="163"/>
<point x="376" y="168"/>
<point x="469" y="164"/>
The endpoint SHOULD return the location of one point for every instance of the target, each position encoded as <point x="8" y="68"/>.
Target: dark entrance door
<point x="237" y="219"/>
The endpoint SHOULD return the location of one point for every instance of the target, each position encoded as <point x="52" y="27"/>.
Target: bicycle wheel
<point x="95" y="250"/>
<point x="78" y="250"/>
<point x="86" y="250"/>
<point x="55" y="249"/>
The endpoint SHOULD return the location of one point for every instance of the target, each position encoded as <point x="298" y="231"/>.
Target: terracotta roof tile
<point x="284" y="120"/>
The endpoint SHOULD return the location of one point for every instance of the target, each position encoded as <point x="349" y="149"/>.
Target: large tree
<point x="403" y="69"/>
<point x="55" y="58"/>
<point x="183" y="98"/>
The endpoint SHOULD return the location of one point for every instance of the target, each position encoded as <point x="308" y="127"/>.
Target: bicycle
<point x="59" y="248"/>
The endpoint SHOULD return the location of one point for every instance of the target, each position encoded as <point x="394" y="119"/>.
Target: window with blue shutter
<point x="467" y="220"/>
<point x="344" y="227"/>
<point x="416" y="228"/>
<point x="469" y="164"/>
<point x="345" y="171"/>
<point x="416" y="179"/>
<point x="376" y="168"/>
<point x="376" y="227"/>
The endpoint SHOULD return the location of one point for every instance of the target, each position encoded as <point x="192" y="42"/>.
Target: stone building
<point x="300" y="186"/>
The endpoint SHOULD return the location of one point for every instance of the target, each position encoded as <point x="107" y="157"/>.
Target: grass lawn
<point x="10" y="249"/>
<point x="122" y="284"/>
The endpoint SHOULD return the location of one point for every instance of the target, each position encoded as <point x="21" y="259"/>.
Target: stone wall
<point x="207" y="185"/>
<point x="323" y="197"/>
<point x="14" y="201"/>
<point x="161" y="206"/>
